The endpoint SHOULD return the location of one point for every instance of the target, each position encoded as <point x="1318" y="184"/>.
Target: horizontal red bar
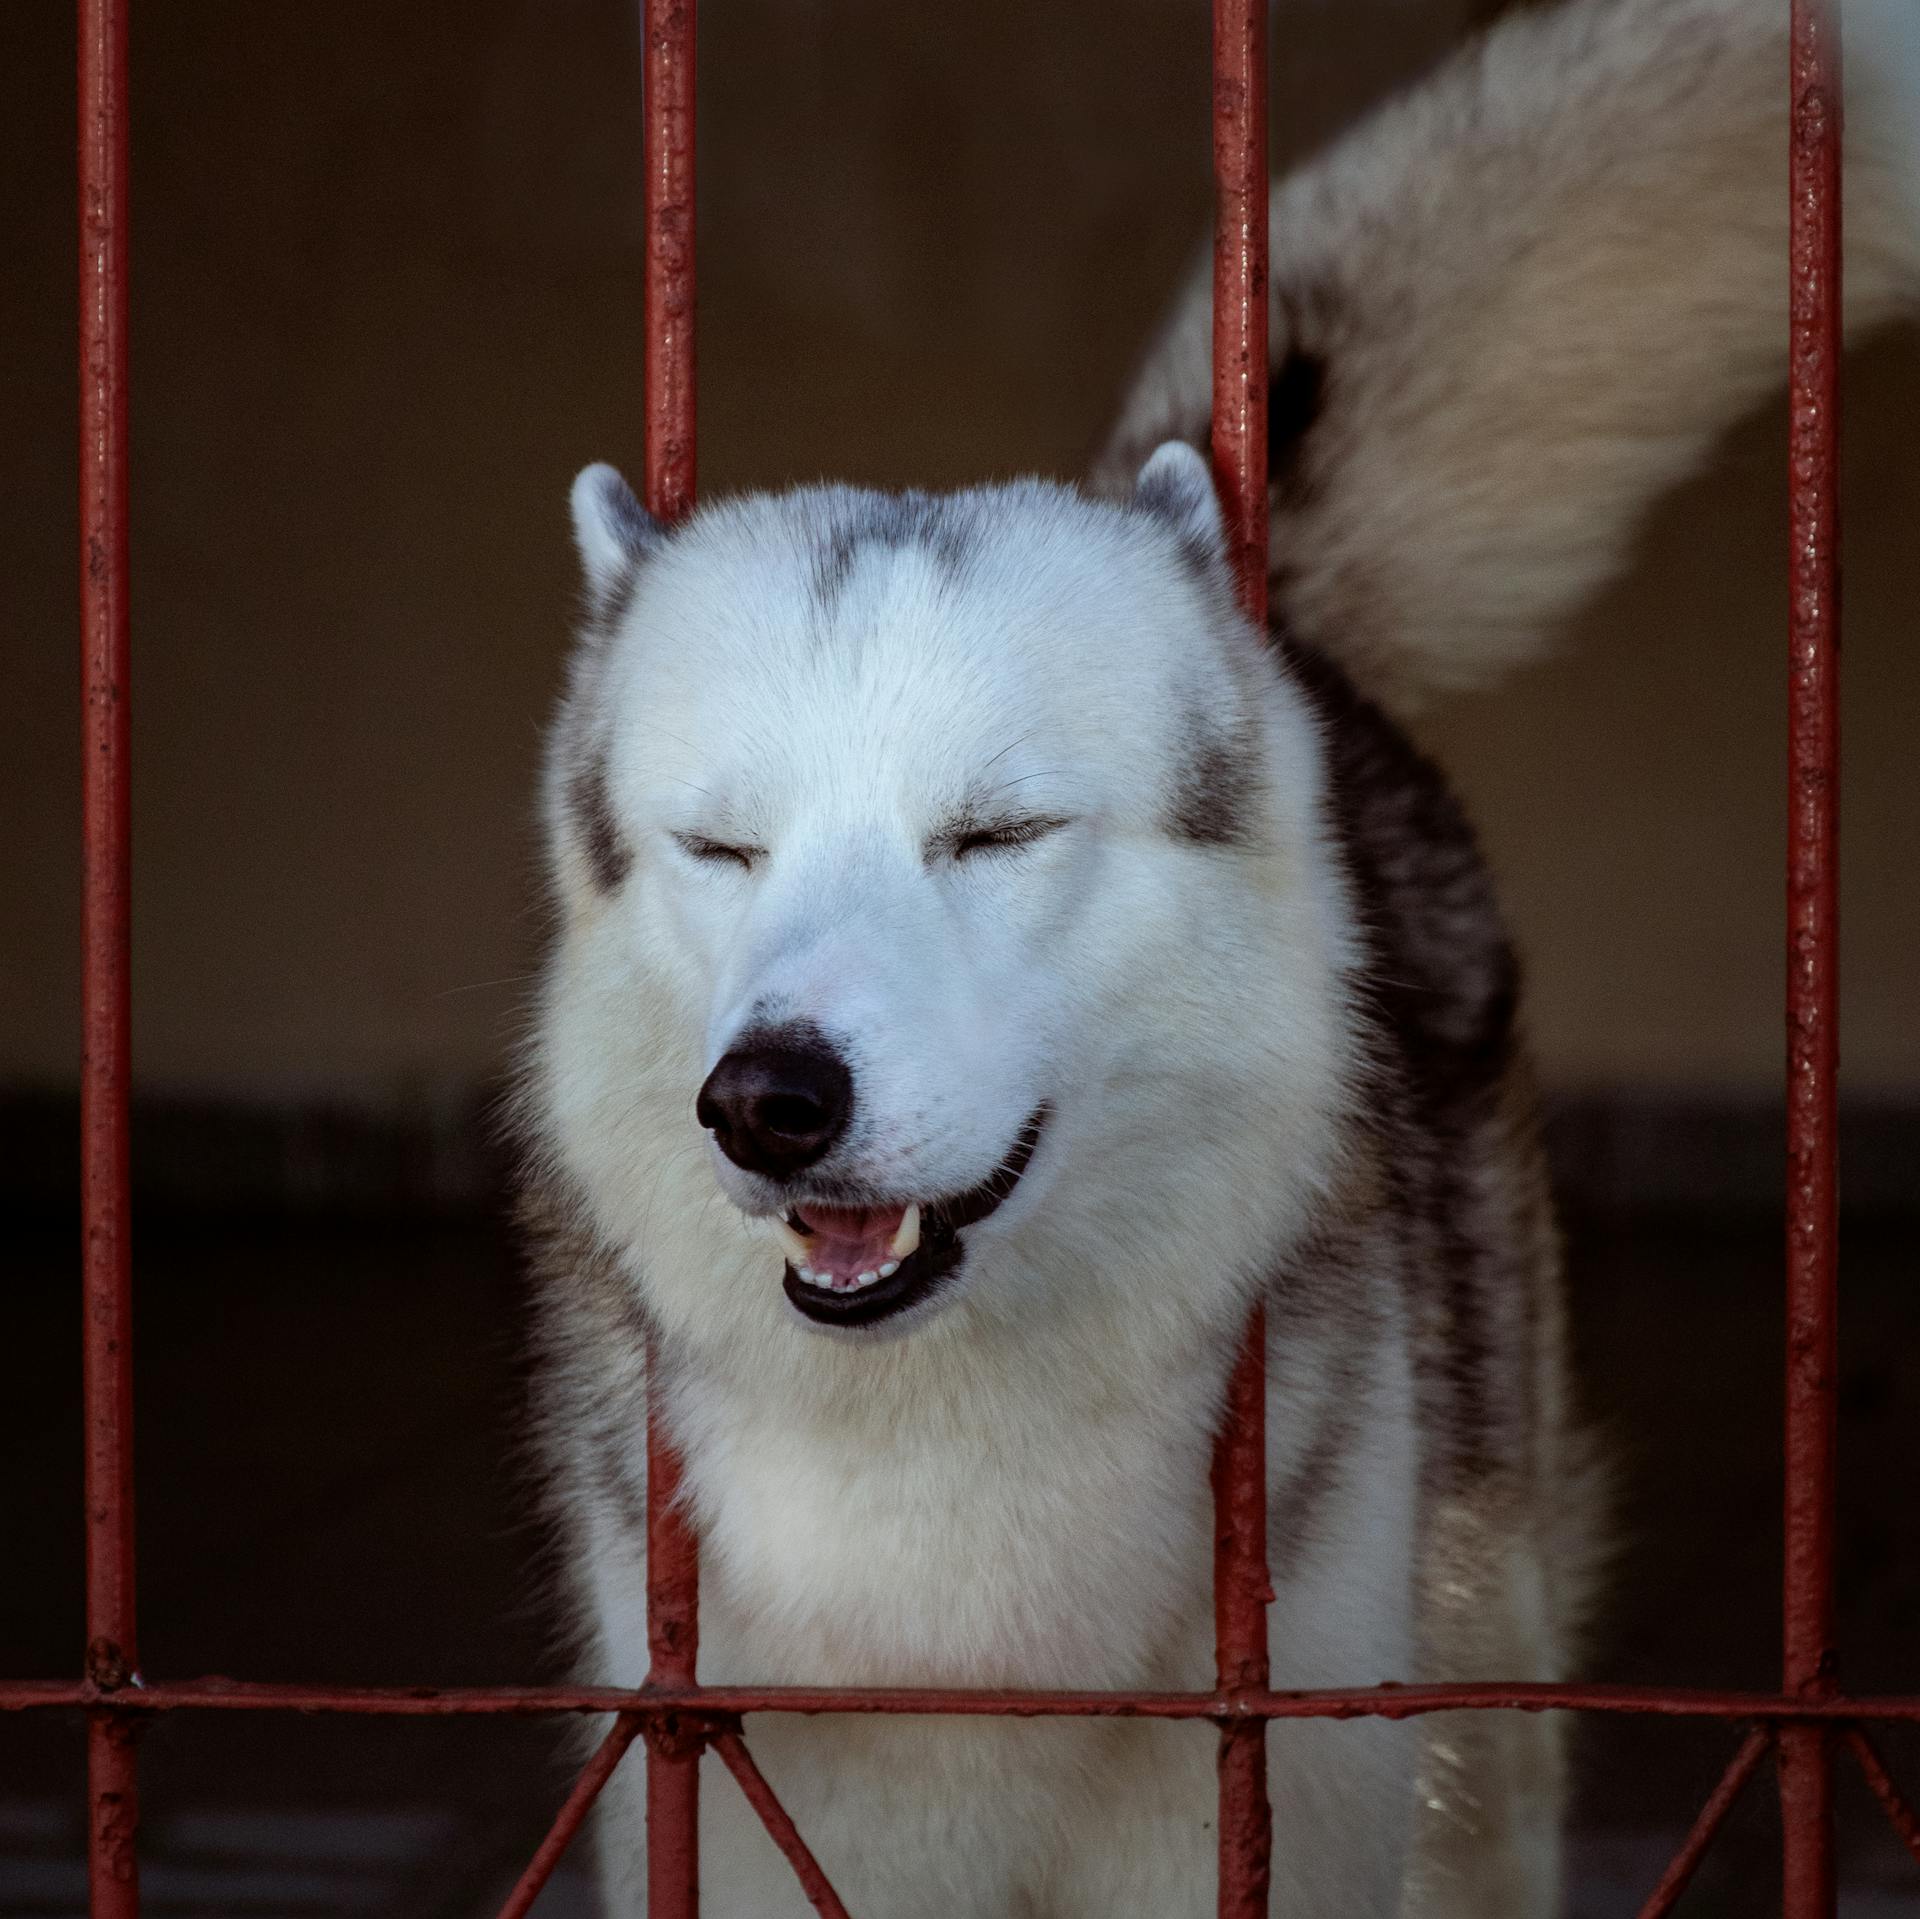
<point x="729" y="1702"/>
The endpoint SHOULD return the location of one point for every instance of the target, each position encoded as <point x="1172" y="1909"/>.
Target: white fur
<point x="1540" y="283"/>
<point x="1014" y="1492"/>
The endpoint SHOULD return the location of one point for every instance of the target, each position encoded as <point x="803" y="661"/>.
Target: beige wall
<point x="387" y="298"/>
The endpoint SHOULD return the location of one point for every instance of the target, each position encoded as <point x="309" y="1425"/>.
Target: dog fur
<point x="999" y="797"/>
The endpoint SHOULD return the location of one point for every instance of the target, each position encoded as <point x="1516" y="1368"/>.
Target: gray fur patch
<point x="608" y="855"/>
<point x="893" y="522"/>
<point x="1297" y="1505"/>
<point x="1214" y="791"/>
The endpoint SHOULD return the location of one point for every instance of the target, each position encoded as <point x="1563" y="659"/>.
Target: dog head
<point x="911" y="851"/>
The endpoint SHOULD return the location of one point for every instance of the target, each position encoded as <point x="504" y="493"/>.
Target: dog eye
<point x="718" y="852"/>
<point x="1004" y="836"/>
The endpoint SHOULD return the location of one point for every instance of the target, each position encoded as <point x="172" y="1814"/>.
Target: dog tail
<point x="1513" y="306"/>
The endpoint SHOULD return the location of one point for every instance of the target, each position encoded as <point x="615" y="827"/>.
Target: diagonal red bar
<point x="1813" y="869"/>
<point x="106" y="652"/>
<point x="571" y="1816"/>
<point x="1713" y="1815"/>
<point x="779" y="1824"/>
<point x="1905" y="1821"/>
<point x="1240" y="472"/>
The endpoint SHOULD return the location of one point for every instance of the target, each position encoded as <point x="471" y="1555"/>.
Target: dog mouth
<point x="858" y="1265"/>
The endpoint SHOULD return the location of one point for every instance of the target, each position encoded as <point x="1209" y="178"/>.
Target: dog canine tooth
<point x="796" y="1244"/>
<point x="907" y="1237"/>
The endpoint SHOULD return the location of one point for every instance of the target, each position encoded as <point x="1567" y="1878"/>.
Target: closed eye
<point x="708" y="852"/>
<point x="973" y="838"/>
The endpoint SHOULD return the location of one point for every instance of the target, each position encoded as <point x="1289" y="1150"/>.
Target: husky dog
<point x="986" y="966"/>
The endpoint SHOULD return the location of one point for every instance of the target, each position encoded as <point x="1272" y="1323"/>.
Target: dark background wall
<point x="387" y="300"/>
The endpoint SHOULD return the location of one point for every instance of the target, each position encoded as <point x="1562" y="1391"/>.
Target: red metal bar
<point x="571" y="1816"/>
<point x="673" y="1570"/>
<point x="1713" y="1815"/>
<point x="1240" y="1593"/>
<point x="1240" y="1583"/>
<point x="695" y="1705"/>
<point x="779" y="1824"/>
<point x="1905" y="1821"/>
<point x="1240" y="342"/>
<point x="112" y="1645"/>
<point x="669" y="293"/>
<point x="673" y="1645"/>
<point x="1813" y="869"/>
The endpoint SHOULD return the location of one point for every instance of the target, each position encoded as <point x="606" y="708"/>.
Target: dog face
<point x="888" y="833"/>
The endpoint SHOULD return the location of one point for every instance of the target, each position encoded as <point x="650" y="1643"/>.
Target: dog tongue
<point x="851" y="1239"/>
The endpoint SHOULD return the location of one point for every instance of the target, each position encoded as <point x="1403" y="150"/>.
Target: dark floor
<point x="329" y="1491"/>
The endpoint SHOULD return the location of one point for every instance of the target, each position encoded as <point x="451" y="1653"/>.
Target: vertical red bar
<point x="1813" y="868"/>
<point x="1240" y="1594"/>
<point x="1240" y="347"/>
<point x="1241" y="475"/>
<point x="669" y="297"/>
<point x="673" y="1566"/>
<point x="106" y="1273"/>
<point x="1240" y="343"/>
<point x="673" y="1644"/>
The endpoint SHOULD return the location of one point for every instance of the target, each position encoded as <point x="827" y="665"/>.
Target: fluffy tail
<point x="1516" y="304"/>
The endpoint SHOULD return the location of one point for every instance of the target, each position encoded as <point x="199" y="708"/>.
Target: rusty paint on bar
<point x="1880" y="1782"/>
<point x="571" y="1816"/>
<point x="673" y="1645"/>
<point x="1239" y="440"/>
<point x="668" y="318"/>
<point x="1713" y="1815"/>
<point x="112" y="1654"/>
<point x="675" y="1715"/>
<point x="700" y="1707"/>
<point x="673" y="1568"/>
<point x="779" y="1824"/>
<point x="1241" y="1590"/>
<point x="1240" y="289"/>
<point x="1813" y="865"/>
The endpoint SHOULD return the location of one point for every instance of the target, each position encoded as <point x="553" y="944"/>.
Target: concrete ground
<point x="329" y="1490"/>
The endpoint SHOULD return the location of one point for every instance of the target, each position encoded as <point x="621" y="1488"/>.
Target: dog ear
<point x="613" y="531"/>
<point x="1176" y="486"/>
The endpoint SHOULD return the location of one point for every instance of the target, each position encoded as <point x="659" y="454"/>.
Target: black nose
<point x="777" y="1102"/>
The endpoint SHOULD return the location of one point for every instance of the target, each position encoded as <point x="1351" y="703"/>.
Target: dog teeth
<point x="798" y="1246"/>
<point x="908" y="1236"/>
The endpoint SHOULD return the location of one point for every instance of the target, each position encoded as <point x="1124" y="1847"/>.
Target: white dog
<point x="985" y="966"/>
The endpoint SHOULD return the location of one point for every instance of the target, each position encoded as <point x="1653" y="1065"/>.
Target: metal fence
<point x="1803" y="1724"/>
